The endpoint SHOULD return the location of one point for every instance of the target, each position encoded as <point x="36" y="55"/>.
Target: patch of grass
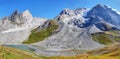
<point x="10" y="53"/>
<point x="107" y="37"/>
<point x="102" y="38"/>
<point x="113" y="32"/>
<point x="42" y="34"/>
<point x="117" y="39"/>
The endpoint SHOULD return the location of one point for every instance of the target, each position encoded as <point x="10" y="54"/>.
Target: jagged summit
<point x="81" y="11"/>
<point x="67" y="11"/>
<point x="16" y="12"/>
<point x="69" y="16"/>
<point x="21" y="18"/>
<point x="100" y="5"/>
<point x="70" y="12"/>
<point x="26" y="13"/>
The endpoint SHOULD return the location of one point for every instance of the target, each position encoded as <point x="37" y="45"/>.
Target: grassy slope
<point x="115" y="34"/>
<point x="44" y="33"/>
<point x="10" y="53"/>
<point x="102" y="38"/>
<point x="107" y="38"/>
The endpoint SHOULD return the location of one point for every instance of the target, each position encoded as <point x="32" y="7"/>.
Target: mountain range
<point x="78" y="29"/>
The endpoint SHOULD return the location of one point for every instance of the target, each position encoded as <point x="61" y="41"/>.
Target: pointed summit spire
<point x="15" y="13"/>
<point x="27" y="17"/>
<point x="100" y="5"/>
<point x="26" y="13"/>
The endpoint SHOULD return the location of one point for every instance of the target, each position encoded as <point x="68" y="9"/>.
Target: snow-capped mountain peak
<point x="83" y="17"/>
<point x="73" y="17"/>
<point x="106" y="13"/>
<point x="70" y="12"/>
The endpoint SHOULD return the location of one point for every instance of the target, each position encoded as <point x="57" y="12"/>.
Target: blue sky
<point x="50" y="8"/>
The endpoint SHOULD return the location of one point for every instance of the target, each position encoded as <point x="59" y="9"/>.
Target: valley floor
<point x="11" y="53"/>
<point x="108" y="52"/>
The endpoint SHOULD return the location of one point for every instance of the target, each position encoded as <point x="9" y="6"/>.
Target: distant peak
<point x="81" y="9"/>
<point x="67" y="11"/>
<point x="15" y="13"/>
<point x="101" y="7"/>
<point x="26" y="12"/>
